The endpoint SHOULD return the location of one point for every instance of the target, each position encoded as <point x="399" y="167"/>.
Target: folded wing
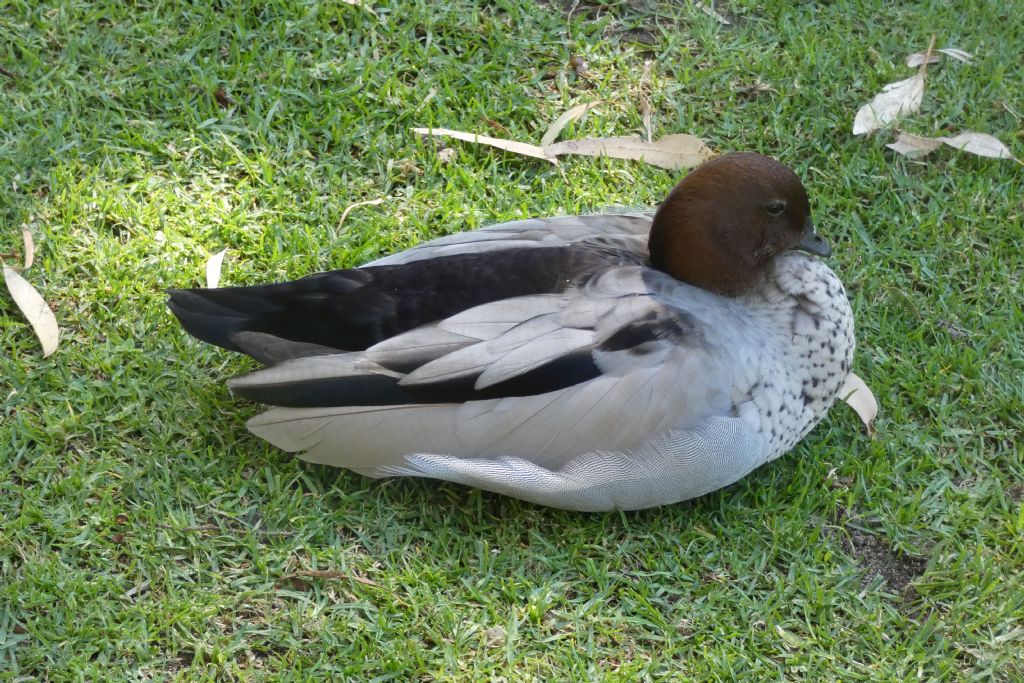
<point x="543" y="377"/>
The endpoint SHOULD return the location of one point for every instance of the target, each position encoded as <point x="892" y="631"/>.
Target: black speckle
<point x="806" y="398"/>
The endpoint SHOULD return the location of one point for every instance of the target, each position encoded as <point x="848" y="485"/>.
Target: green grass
<point x="144" y="533"/>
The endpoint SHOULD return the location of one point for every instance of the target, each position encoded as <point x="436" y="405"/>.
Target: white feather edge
<point x="310" y="368"/>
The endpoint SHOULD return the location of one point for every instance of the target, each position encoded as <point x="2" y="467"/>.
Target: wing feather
<point x="627" y="231"/>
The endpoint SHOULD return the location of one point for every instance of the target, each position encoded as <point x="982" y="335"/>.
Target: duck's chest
<point x="801" y="340"/>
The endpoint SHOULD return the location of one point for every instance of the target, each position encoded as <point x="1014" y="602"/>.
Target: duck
<point x="594" y="362"/>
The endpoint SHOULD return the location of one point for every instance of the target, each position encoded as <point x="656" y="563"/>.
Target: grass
<point x="144" y="534"/>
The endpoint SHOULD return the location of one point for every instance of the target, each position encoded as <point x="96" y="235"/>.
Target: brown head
<point x="722" y="225"/>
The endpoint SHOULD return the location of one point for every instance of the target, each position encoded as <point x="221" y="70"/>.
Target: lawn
<point x="144" y="533"/>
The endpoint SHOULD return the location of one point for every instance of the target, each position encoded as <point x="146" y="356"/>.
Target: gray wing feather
<point x="626" y="231"/>
<point x="540" y="350"/>
<point x="677" y="465"/>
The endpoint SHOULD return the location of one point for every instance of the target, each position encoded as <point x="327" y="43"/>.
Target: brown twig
<point x="928" y="54"/>
<point x="645" y="106"/>
<point x="7" y="72"/>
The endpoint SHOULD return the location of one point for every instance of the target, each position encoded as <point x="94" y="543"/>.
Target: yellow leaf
<point x="857" y="395"/>
<point x="34" y="308"/>
<point x="523" y="148"/>
<point x="30" y="247"/>
<point x="671" y="151"/>
<point x="567" y="117"/>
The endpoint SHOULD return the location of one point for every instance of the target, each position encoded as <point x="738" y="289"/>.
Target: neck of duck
<point x="700" y="251"/>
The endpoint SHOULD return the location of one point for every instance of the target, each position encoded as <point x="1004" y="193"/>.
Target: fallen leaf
<point x="671" y="151"/>
<point x="368" y="202"/>
<point x="894" y="102"/>
<point x="918" y="58"/>
<point x="567" y="117"/>
<point x="957" y="54"/>
<point x="980" y="144"/>
<point x="523" y="148"/>
<point x="34" y="308"/>
<point x="711" y="12"/>
<point x="213" y="265"/>
<point x="495" y="636"/>
<point x="447" y="155"/>
<point x="30" y="248"/>
<point x="914" y="146"/>
<point x="359" y="3"/>
<point x="857" y="395"/>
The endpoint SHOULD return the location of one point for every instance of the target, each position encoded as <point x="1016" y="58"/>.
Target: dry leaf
<point x="918" y="58"/>
<point x="671" y="151"/>
<point x="979" y="143"/>
<point x="857" y="395"/>
<point x="567" y="117"/>
<point x="213" y="265"/>
<point x="30" y="247"/>
<point x="711" y="12"/>
<point x="359" y="3"/>
<point x="34" y="308"/>
<point x="957" y="54"/>
<point x="914" y="146"/>
<point x="523" y="148"/>
<point x="368" y="202"/>
<point x="894" y="102"/>
<point x="447" y="155"/>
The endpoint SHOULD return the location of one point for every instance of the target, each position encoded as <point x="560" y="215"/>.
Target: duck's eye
<point x="776" y="208"/>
